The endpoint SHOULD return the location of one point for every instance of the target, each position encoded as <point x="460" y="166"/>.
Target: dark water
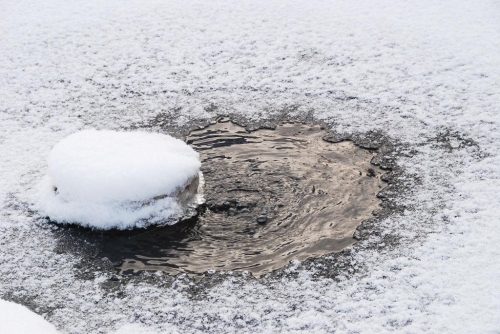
<point x="309" y="195"/>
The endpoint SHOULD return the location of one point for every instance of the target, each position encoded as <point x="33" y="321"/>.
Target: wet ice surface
<point x="425" y="73"/>
<point x="272" y="196"/>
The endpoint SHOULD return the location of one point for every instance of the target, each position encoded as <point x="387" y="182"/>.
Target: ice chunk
<point x="17" y="319"/>
<point x="108" y="179"/>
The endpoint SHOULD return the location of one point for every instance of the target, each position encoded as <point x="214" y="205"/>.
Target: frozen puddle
<point x="271" y="196"/>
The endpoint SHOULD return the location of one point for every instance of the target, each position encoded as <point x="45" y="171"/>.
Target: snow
<point x="414" y="70"/>
<point x="107" y="179"/>
<point x="138" y="329"/>
<point x="17" y="319"/>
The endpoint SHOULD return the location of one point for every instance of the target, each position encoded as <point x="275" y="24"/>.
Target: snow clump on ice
<point x="18" y="319"/>
<point x="108" y="179"/>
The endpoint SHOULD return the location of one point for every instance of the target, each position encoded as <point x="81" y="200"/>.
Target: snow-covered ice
<point x="415" y="70"/>
<point x="17" y="319"/>
<point x="108" y="179"/>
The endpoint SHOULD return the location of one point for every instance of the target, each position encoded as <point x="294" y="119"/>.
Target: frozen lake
<point x="419" y="81"/>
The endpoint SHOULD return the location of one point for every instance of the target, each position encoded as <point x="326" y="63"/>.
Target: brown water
<point x="313" y="193"/>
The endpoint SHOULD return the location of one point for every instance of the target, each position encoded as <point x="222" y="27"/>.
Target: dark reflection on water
<point x="313" y="194"/>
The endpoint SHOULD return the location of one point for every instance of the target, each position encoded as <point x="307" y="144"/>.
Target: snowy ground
<point x="413" y="70"/>
<point x="15" y="318"/>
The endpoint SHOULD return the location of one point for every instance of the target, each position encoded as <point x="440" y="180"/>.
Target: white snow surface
<point x="412" y="69"/>
<point x="18" y="319"/>
<point x="107" y="179"/>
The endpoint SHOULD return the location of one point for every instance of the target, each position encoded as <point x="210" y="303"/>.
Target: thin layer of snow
<point x="17" y="319"/>
<point x="414" y="70"/>
<point x="138" y="329"/>
<point x="108" y="179"/>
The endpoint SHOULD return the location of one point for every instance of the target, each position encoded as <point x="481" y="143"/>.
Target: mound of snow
<point x="17" y="319"/>
<point x="108" y="179"/>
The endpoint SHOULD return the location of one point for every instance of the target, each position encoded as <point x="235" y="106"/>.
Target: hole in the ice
<point x="271" y="196"/>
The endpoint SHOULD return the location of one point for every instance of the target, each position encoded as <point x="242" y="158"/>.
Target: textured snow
<point x="138" y="329"/>
<point x="107" y="179"/>
<point x="414" y="70"/>
<point x="17" y="319"/>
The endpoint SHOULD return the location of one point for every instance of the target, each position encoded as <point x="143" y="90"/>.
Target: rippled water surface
<point x="271" y="196"/>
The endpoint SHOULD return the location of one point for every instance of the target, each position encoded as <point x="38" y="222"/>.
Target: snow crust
<point x="138" y="329"/>
<point x="108" y="179"/>
<point x="17" y="319"/>
<point x="414" y="70"/>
